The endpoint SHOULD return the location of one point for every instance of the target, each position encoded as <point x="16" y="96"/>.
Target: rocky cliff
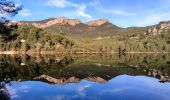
<point x="158" y="29"/>
<point x="97" y="22"/>
<point x="62" y="21"/>
<point x="52" y="21"/>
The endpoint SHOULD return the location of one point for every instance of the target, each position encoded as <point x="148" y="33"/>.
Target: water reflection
<point x="122" y="87"/>
<point x="85" y="77"/>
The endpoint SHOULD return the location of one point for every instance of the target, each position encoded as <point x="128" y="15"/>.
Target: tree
<point x="8" y="9"/>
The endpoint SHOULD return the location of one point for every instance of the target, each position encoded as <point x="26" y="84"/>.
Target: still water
<point x="85" y="77"/>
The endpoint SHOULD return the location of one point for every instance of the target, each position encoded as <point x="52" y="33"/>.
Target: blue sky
<point x="123" y="13"/>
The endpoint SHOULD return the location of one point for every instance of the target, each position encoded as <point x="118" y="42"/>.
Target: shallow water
<point x="130" y="77"/>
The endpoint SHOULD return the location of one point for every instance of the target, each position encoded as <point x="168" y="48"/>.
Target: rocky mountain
<point x="94" y="28"/>
<point x="101" y="27"/>
<point x="52" y="21"/>
<point x="63" y="21"/>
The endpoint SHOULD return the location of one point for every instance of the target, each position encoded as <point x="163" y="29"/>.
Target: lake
<point x="85" y="77"/>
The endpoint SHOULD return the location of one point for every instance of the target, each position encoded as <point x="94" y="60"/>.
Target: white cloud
<point x="17" y="1"/>
<point x="156" y="9"/>
<point x="153" y="19"/>
<point x="114" y="90"/>
<point x="60" y="3"/>
<point x="3" y="14"/>
<point x="25" y="13"/>
<point x="81" y="12"/>
<point x="80" y="8"/>
<point x="57" y="97"/>
<point x="82" y="88"/>
<point x="115" y="12"/>
<point x="12" y="92"/>
<point x="153" y="16"/>
<point x="94" y="3"/>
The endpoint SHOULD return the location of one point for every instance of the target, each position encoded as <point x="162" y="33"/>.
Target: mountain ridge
<point x="93" y="28"/>
<point x="63" y="21"/>
<point x="74" y="22"/>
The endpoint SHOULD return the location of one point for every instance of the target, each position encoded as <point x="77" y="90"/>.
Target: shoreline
<point x="54" y="52"/>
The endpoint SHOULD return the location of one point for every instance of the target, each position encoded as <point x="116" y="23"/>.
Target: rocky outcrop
<point x="52" y="21"/>
<point x="158" y="29"/>
<point x="61" y="20"/>
<point x="97" y="22"/>
<point x="165" y="25"/>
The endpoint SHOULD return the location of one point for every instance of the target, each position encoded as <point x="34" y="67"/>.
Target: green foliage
<point x="33" y="38"/>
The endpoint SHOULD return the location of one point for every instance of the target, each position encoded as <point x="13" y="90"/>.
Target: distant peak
<point x="97" y="22"/>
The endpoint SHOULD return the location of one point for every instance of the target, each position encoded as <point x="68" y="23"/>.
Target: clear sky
<point x="123" y="13"/>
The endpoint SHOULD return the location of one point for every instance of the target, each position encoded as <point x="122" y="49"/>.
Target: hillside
<point x="75" y="27"/>
<point x="93" y="36"/>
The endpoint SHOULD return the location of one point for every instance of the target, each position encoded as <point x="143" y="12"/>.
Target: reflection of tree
<point x="68" y="69"/>
<point x="4" y="94"/>
<point x="11" y="67"/>
<point x="156" y="66"/>
<point x="8" y="9"/>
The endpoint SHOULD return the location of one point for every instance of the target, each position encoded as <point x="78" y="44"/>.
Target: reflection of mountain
<point x="62" y="70"/>
<point x="152" y="72"/>
<point x="73" y="79"/>
<point x="76" y="73"/>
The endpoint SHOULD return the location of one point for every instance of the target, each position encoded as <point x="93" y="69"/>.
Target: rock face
<point x="97" y="22"/>
<point x="165" y="25"/>
<point x="61" y="20"/>
<point x="52" y="21"/>
<point x="161" y="27"/>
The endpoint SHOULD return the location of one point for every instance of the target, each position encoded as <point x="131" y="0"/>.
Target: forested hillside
<point x="98" y="36"/>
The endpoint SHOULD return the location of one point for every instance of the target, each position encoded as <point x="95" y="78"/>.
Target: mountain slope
<point x="74" y="27"/>
<point x="66" y="26"/>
